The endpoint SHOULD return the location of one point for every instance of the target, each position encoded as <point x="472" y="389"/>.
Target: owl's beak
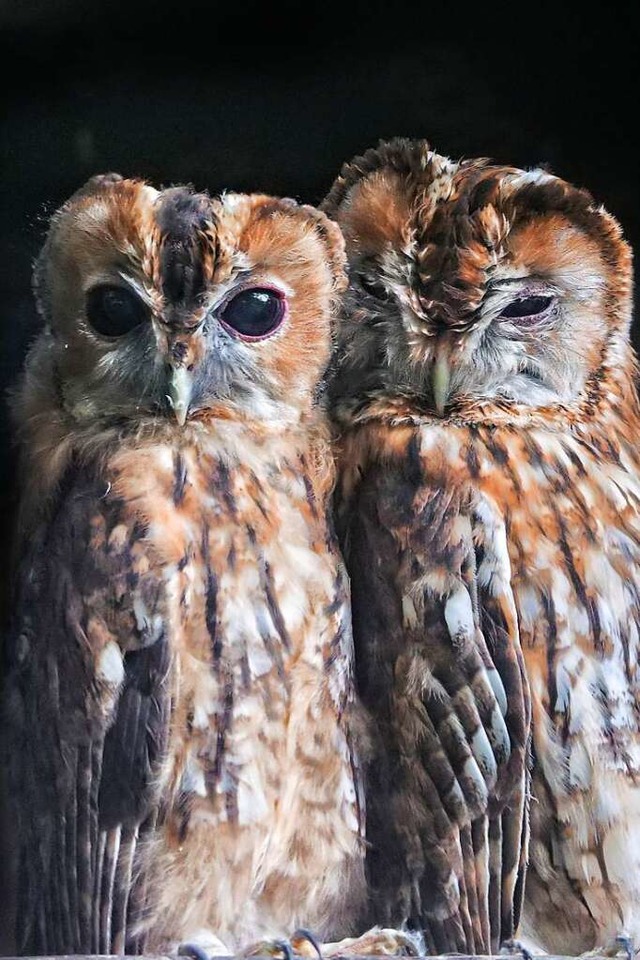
<point x="441" y="381"/>
<point x="180" y="391"/>
<point x="185" y="350"/>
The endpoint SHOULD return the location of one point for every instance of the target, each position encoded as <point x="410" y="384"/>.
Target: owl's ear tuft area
<point x="98" y="186"/>
<point x="333" y="239"/>
<point x="327" y="229"/>
<point x="400" y="156"/>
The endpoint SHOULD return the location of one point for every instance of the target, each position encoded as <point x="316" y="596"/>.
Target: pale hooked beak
<point x="180" y="392"/>
<point x="441" y="381"/>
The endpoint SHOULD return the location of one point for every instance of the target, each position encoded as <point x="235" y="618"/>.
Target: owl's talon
<point x="306" y="935"/>
<point x="286" y="948"/>
<point x="192" y="950"/>
<point x="270" y="948"/>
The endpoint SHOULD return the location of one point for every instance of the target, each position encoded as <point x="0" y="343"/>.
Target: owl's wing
<point x="87" y="706"/>
<point x="440" y="670"/>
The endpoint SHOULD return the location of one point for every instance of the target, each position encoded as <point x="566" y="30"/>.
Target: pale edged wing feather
<point x="440" y="670"/>
<point x="500" y="629"/>
<point x="86" y="708"/>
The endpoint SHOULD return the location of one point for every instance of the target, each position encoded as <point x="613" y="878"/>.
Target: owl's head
<point x="473" y="282"/>
<point x="173" y="304"/>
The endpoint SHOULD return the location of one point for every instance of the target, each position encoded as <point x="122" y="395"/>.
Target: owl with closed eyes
<point x="489" y="495"/>
<point x="180" y="696"/>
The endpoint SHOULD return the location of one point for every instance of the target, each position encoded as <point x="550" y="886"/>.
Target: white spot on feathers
<point x="580" y="767"/>
<point x="471" y="772"/>
<point x="152" y="625"/>
<point x="110" y="666"/>
<point x="498" y="689"/>
<point x="500" y="732"/>
<point x="409" y="615"/>
<point x="252" y="803"/>
<point x="458" y="613"/>
<point x="483" y="753"/>
<point x="260" y="661"/>
<point x="192" y="780"/>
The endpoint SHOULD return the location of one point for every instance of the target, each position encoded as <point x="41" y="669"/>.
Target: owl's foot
<point x="302" y="943"/>
<point x="378" y="942"/>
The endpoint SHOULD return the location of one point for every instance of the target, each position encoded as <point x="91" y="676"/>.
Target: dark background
<point x="275" y="98"/>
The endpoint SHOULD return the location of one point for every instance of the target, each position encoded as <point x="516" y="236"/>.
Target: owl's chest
<point x="255" y="615"/>
<point x="240" y="548"/>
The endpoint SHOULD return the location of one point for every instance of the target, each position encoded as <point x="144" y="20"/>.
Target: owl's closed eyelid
<point x="521" y="298"/>
<point x="533" y="308"/>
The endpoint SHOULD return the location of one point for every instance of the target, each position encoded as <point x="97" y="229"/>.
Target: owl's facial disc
<point x="520" y="343"/>
<point x="528" y="332"/>
<point x="172" y="304"/>
<point x="472" y="283"/>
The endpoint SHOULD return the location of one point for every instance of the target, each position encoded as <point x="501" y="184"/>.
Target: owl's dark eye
<point x="254" y="314"/>
<point x="526" y="307"/>
<point x="113" y="311"/>
<point x="374" y="287"/>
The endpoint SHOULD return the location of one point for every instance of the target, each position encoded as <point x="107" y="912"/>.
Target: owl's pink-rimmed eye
<point x="254" y="313"/>
<point x="526" y="308"/>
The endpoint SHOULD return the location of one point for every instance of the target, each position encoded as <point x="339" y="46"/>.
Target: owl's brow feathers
<point x="189" y="243"/>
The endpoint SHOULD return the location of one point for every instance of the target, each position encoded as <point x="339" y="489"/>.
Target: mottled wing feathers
<point x="509" y="827"/>
<point x="440" y="670"/>
<point x="88" y="668"/>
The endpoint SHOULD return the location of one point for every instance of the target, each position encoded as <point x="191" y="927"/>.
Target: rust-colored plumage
<point x="179" y="697"/>
<point x="489" y="494"/>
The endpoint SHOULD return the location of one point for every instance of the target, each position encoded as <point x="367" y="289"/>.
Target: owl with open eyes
<point x="179" y="697"/>
<point x="488" y="506"/>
